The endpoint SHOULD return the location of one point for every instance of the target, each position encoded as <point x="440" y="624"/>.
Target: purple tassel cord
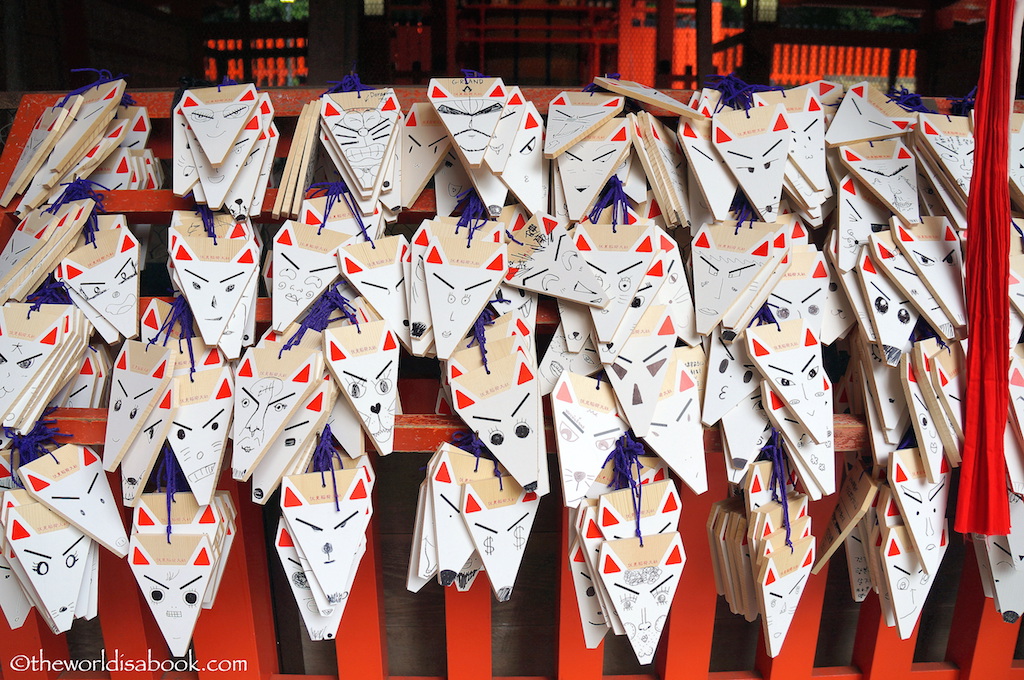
<point x="594" y="87"/>
<point x="474" y="213"/>
<point x="764" y="317"/>
<point x="39" y="441"/>
<point x="743" y="211"/>
<point x="52" y="292"/>
<point x="171" y="479"/>
<point x="333" y="191"/>
<point x="181" y="315"/>
<point x="736" y="93"/>
<point x="962" y="106"/>
<point x="470" y="443"/>
<point x="206" y="215"/>
<point x="772" y="451"/>
<point x="226" y="82"/>
<point x="615" y="196"/>
<point x="324" y="458"/>
<point x="349" y="83"/>
<point x="103" y="77"/>
<point x="79" y="190"/>
<point x="907" y="100"/>
<point x="479" y="329"/>
<point x="468" y="73"/>
<point x="626" y="467"/>
<point x="319" y="315"/>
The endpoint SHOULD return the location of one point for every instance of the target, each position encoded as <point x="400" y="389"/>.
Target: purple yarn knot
<point x="471" y="443"/>
<point x="468" y="73"/>
<point x="103" y="77"/>
<point x="613" y="195"/>
<point x="324" y="457"/>
<point x="79" y="190"/>
<point x="319" y="315"/>
<point x="207" y="218"/>
<point x="180" y="315"/>
<point x="743" y="211"/>
<point x="52" y="292"/>
<point x="333" y="191"/>
<point x="348" y="83"/>
<point x="171" y="479"/>
<point x="772" y="451"/>
<point x="764" y="317"/>
<point x="907" y="100"/>
<point x="35" y="443"/>
<point x="962" y="106"/>
<point x="474" y="213"/>
<point x="226" y="82"/>
<point x="594" y="87"/>
<point x="626" y="467"/>
<point x="736" y="92"/>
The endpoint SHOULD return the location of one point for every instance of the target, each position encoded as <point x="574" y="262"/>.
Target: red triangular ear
<point x="756" y="486"/>
<point x="578" y="556"/>
<point x="138" y="557"/>
<point x="165" y="403"/>
<point x="950" y="234"/>
<point x="246" y="257"/>
<point x="336" y="353"/>
<point x="558" y="101"/>
<point x="303" y="375"/>
<point x="389" y="342"/>
<point x="202" y="559"/>
<point x="127" y="243"/>
<point x="159" y="372"/>
<point x="809" y="339"/>
<point x="893" y="548"/>
<point x="608" y="519"/>
<point x="253" y="124"/>
<point x="721" y="136"/>
<point x="88" y="457"/>
<point x="901" y="476"/>
<point x="702" y="241"/>
<point x="434" y="257"/>
<point x="929" y="130"/>
<point x="351" y="267"/>
<point x="859" y="91"/>
<point x="438" y="93"/>
<point x="671" y="505"/>
<point x="246" y="370"/>
<point x="208" y="517"/>
<point x="850" y="156"/>
<point x="762" y="250"/>
<point x="329" y="110"/>
<point x="389" y="104"/>
<point x="144" y="519"/>
<point x="442" y="474"/>
<point x="284" y="540"/>
<point x="225" y="390"/>
<point x="620" y="136"/>
<point x="317" y="404"/>
<point x="462" y="401"/>
<point x="667" y="328"/>
<point x="645" y="246"/>
<point x="37" y="484"/>
<point x="515" y="100"/>
<point x="776" y="402"/>
<point x="770" y="578"/>
<point x="813" y="105"/>
<point x="525" y="375"/>
<point x="675" y="557"/>
<point x="903" y="154"/>
<point x="820" y="272"/>
<point x="808" y="560"/>
<point x="182" y="254"/>
<point x="497" y="264"/>
<point x="868" y="266"/>
<point x="759" y="349"/>
<point x="780" y="124"/>
<point x="609" y="565"/>
<point x="471" y="504"/>
<point x="531" y="122"/>
<point x="122" y="362"/>
<point x="564" y="394"/>
<point x="291" y="499"/>
<point x="284" y="237"/>
<point x="51" y="337"/>
<point x="688" y="131"/>
<point x="581" y="243"/>
<point x="359" y="492"/>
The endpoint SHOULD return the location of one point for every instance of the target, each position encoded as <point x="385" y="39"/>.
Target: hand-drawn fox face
<point x="374" y="396"/>
<point x="266" y="395"/>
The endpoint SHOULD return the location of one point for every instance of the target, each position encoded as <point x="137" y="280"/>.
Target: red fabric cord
<point x="983" y="506"/>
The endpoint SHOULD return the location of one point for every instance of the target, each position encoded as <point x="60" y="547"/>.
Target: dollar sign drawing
<point x="489" y="545"/>
<point x="520" y="538"/>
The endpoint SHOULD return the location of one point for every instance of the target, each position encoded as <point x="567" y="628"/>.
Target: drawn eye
<point x="812" y="373"/>
<point x="134" y="412"/>
<point x="724" y="366"/>
<point x="3" y="360"/>
<point x="246" y="402"/>
<point x="523" y="430"/>
<point x="661" y="595"/>
<point x="748" y="376"/>
<point x="280" y="406"/>
<point x="904" y="316"/>
<point x="201" y="115"/>
<point x="466" y="299"/>
<point x="497" y="438"/>
<point x="312" y="281"/>
<point x="882" y="305"/>
<point x="156" y="595"/>
<point x="605" y="444"/>
<point x="782" y="312"/>
<point x="235" y="112"/>
<point x="230" y="288"/>
<point x="196" y="286"/>
<point x="628" y="602"/>
<point x="568" y="434"/>
<point x="451" y="298"/>
<point x="71" y="560"/>
<point x="785" y="382"/>
<point x="813" y="310"/>
<point x="637" y="302"/>
<point x="624" y="285"/>
<point x="191" y="598"/>
<point x="25" y="363"/>
<point x="384" y="386"/>
<point x="356" y="390"/>
<point x="41" y="568"/>
<point x="287" y="273"/>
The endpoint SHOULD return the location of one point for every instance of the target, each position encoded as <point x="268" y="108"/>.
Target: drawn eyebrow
<point x="295" y="562"/>
<point x="345" y="521"/>
<point x="542" y="271"/>
<point x="599" y="434"/>
<point x="594" y="266"/>
<point x="289" y="261"/>
<point x="477" y="285"/>
<point x="320" y="269"/>
<point x="156" y="582"/>
<point x="875" y="286"/>
<point x="215" y="415"/>
<point x="292" y="427"/>
<point x="484" y="528"/>
<point x="811" y="295"/>
<point x="127" y="262"/>
<point x="525" y="515"/>
<point x="233" y="276"/>
<point x="1002" y="548"/>
<point x="780" y="369"/>
<point x="771" y="148"/>
<point x="197" y="276"/>
<point x="443" y="281"/>
<point x="607" y="153"/>
<point x="520" y="404"/>
<point x="287" y="396"/>
<point x="736" y="153"/>
<point x="492" y="420"/>
<point x="573" y="422"/>
<point x="138" y="396"/>
<point x="450" y="504"/>
<point x="92" y="483"/>
<point x="901" y="569"/>
<point x="619" y="585"/>
<point x="807" y="364"/>
<point x="739" y="269"/>
<point x="185" y="427"/>
<point x="309" y="524"/>
<point x="72" y="546"/>
<point x="122" y="388"/>
<point x="663" y="582"/>
<point x="385" y="368"/>
<point x="788" y="302"/>
<point x="654" y="353"/>
<point x="250" y="395"/>
<point x="353" y="375"/>
<point x="708" y="263"/>
<point x="635" y="264"/>
<point x="811" y="123"/>
<point x="935" y="491"/>
<point x="186" y="585"/>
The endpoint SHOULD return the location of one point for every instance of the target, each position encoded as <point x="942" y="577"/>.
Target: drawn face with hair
<point x="253" y="404"/>
<point x="474" y="115"/>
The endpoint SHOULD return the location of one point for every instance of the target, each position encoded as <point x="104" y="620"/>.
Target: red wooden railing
<point x="241" y="624"/>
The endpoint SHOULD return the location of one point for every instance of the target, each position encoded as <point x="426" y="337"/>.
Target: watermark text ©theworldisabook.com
<point x="116" y="662"/>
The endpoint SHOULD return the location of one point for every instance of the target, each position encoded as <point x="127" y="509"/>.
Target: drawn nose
<point x="375" y="408"/>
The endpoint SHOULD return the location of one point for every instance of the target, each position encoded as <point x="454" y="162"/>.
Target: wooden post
<point x="665" y="43"/>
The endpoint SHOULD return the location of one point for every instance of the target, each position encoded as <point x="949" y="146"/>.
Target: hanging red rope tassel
<point x="983" y="506"/>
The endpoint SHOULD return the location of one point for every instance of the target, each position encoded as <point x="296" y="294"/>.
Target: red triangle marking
<point x="530" y="497"/>
<point x="434" y="257"/>
<point x="212" y="358"/>
<point x="893" y="549"/>
<point x="944" y="466"/>
<point x="144" y="519"/>
<point x="770" y="579"/>
<point x="901" y="476"/>
<point x="140" y="125"/>
<point x="515" y="100"/>
<point x="525" y="375"/>
<point x="950" y="234"/>
<point x="578" y="557"/>
<point x="849" y="187"/>
<point x="560" y="101"/>
<point x="351" y="267"/>
<point x="303" y="375"/>
<point x="290" y="499"/>
<point x="531" y="122"/>
<point x="311" y="217"/>
<point x="86" y="367"/>
<point x="780" y="124"/>
<point x="138" y="557"/>
<point x="667" y="328"/>
<point x="809" y="339"/>
<point x="359" y="492"/>
<point x="807" y="560"/>
<point x="756" y="486"/>
<point x="246" y="257"/>
<point x="564" y="394"/>
<point x="671" y="505"/>
<point x="824" y="87"/>
<point x="929" y="130"/>
<point x="389" y="342"/>
<point x="859" y="91"/>
<point x="702" y="241"/>
<point x="122" y="166"/>
<point x="412" y="120"/>
<point x="608" y="519"/>
<point x="422" y="239"/>
<point x="165" y="403"/>
<point x="329" y="110"/>
<point x="389" y="105"/>
<point x="438" y="93"/>
<point x="455" y="371"/>
<point x="581" y="243"/>
<point x="592" y="530"/>
<point x="202" y="559"/>
<point x="620" y="136"/>
<point x="777" y="403"/>
<point x="820" y="271"/>
<point x="462" y="401"/>
<point x="659" y="475"/>
<point x="248" y="96"/>
<point x="471" y="504"/>
<point x="208" y="517"/>
<point x="159" y="372"/>
<point x="71" y="272"/>
<point x="285" y="539"/>
<point x="51" y="337"/>
<point x="721" y="136"/>
<point x="122" y="362"/>
<point x="645" y="246"/>
<point x="813" y="105"/>
<point x="253" y="124"/>
<point x="336" y="353"/>
<point x="868" y="266"/>
<point x="762" y="250"/>
<point x="225" y="390"/>
<point x="759" y="349"/>
<point x="675" y="557"/>
<point x="497" y="264"/>
<point x="688" y="131"/>
<point x="182" y="254"/>
<point x="614" y="102"/>
<point x="496" y="92"/>
<point x="284" y="238"/>
<point x="850" y="156"/>
<point x="780" y="242"/>
<point x="656" y="270"/>
<point x="903" y="154"/>
<point x="317" y="404"/>
<point x="37" y="484"/>
<point x="609" y="565"/>
<point x="442" y="474"/>
<point x="127" y="243"/>
<point x="246" y="370"/>
<point x="549" y="224"/>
